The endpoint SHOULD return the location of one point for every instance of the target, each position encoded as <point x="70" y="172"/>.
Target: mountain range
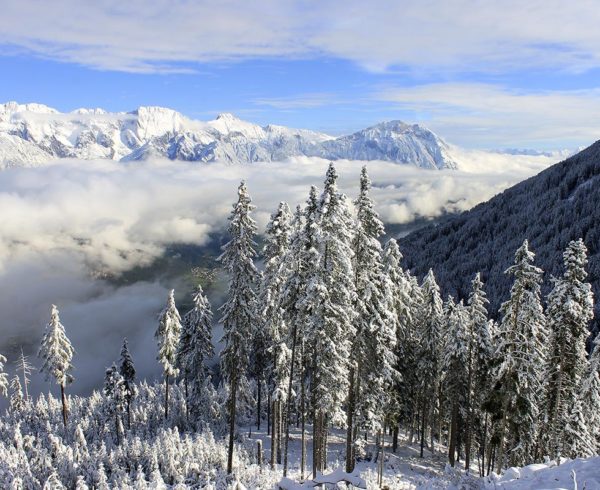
<point x="32" y="134"/>
<point x="556" y="206"/>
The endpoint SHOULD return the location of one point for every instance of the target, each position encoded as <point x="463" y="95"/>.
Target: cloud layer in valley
<point x="66" y="223"/>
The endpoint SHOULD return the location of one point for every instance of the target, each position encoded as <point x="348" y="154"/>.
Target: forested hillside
<point x="558" y="205"/>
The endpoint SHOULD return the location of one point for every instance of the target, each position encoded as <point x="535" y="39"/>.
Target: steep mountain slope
<point x="550" y="209"/>
<point x="34" y="133"/>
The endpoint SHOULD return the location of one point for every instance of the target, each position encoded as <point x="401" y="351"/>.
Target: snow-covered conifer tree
<point x="431" y="318"/>
<point x="520" y="350"/>
<point x="56" y="353"/>
<point x="17" y="402"/>
<point x="115" y="392"/>
<point x="127" y="371"/>
<point x="167" y="335"/>
<point x="331" y="295"/>
<point x="239" y="311"/>
<point x="570" y="309"/>
<point x="373" y="362"/>
<point x="456" y="365"/>
<point x="195" y="346"/>
<point x="481" y="351"/>
<point x="271" y="353"/>
<point x="400" y="306"/>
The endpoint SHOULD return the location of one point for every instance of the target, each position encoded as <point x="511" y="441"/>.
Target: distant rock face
<point x="32" y="134"/>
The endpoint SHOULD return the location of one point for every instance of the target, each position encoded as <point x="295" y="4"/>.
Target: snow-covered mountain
<point x="32" y="134"/>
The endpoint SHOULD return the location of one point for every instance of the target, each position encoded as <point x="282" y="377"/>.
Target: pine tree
<point x="115" y="392"/>
<point x="372" y="369"/>
<point x="195" y="346"/>
<point x="167" y="335"/>
<point x="456" y="364"/>
<point x="400" y="306"/>
<point x="481" y="351"/>
<point x="520" y="349"/>
<point x="56" y="353"/>
<point x="301" y="261"/>
<point x="127" y="371"/>
<point x="271" y="355"/>
<point x="570" y="309"/>
<point x="431" y="317"/>
<point x="17" y="402"/>
<point x="239" y="311"/>
<point x="331" y="295"/>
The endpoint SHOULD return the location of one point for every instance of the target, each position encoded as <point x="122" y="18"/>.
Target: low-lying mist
<point x="71" y="229"/>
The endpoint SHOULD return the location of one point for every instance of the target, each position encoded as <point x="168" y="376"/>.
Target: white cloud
<point x="474" y="113"/>
<point x="64" y="221"/>
<point x="441" y="35"/>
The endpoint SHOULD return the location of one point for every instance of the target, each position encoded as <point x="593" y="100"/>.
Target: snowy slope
<point x="33" y="133"/>
<point x="577" y="473"/>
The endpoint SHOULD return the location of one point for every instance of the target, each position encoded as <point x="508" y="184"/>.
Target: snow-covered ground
<point x="405" y="470"/>
<point x="574" y="474"/>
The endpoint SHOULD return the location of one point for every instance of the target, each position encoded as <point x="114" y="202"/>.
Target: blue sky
<point x="487" y="75"/>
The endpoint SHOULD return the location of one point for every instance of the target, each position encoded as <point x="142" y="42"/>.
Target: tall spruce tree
<point x="481" y="351"/>
<point x="400" y="306"/>
<point x="272" y="352"/>
<point x="116" y="397"/>
<point x="331" y="297"/>
<point x="373" y="363"/>
<point x="302" y="258"/>
<point x="431" y="318"/>
<point x="127" y="371"/>
<point x="239" y="311"/>
<point x="167" y="336"/>
<point x="570" y="309"/>
<point x="520" y="349"/>
<point x="195" y="346"/>
<point x="456" y="366"/>
<point x="56" y="353"/>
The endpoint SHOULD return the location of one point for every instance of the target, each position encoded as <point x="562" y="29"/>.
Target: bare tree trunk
<point x="324" y="436"/>
<point x="258" y="404"/>
<point x="232" y="408"/>
<point x="395" y="438"/>
<point x="166" y="396"/>
<point x="64" y="403"/>
<point x="303" y="422"/>
<point x="269" y="417"/>
<point x="274" y="433"/>
<point x="187" y="397"/>
<point x="117" y="431"/>
<point x="289" y="402"/>
<point x="423" y="415"/>
<point x="502" y="434"/>
<point x="350" y="424"/>
<point x="453" y="430"/>
<point x="469" y="421"/>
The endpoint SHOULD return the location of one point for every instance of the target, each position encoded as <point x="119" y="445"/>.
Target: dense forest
<point x="333" y="335"/>
<point x="550" y="209"/>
